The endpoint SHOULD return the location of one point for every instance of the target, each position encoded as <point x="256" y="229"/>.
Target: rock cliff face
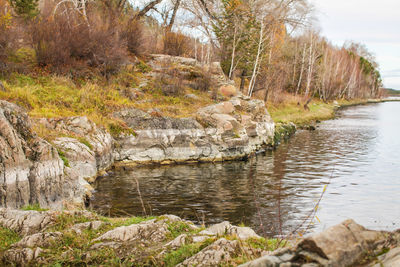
<point x="31" y="170"/>
<point x="224" y="131"/>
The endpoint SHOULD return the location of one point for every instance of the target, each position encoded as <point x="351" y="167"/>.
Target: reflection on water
<point x="357" y="155"/>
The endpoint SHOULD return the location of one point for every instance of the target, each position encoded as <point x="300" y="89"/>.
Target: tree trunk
<point x="172" y="20"/>
<point x="243" y="79"/>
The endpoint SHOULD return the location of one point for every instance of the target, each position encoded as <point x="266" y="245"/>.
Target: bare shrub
<point x="172" y="83"/>
<point x="7" y="34"/>
<point x="62" y="39"/>
<point x="176" y="44"/>
<point x="134" y="35"/>
<point x="50" y="41"/>
<point x="200" y="80"/>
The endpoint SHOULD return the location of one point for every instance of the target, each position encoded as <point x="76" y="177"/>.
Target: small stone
<point x="192" y="96"/>
<point x="177" y="242"/>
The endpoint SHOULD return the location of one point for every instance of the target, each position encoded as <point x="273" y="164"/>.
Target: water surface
<point x="357" y="158"/>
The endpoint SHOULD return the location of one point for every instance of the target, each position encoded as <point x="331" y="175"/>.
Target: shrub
<point x="176" y="44"/>
<point x="172" y="83"/>
<point x="63" y="38"/>
<point x="134" y="35"/>
<point x="7" y="34"/>
<point x="202" y="82"/>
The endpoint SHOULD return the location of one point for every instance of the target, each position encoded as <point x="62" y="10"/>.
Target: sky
<point x="373" y="23"/>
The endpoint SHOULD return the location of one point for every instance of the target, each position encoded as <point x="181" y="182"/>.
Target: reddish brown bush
<point x="62" y="39"/>
<point x="134" y="35"/>
<point x="176" y="44"/>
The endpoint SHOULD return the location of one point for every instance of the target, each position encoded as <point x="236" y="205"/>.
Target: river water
<point x="355" y="157"/>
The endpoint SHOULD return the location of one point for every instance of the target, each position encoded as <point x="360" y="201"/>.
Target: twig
<point x="140" y="197"/>
<point x="312" y="213"/>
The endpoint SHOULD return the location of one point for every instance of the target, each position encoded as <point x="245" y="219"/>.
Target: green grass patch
<point x="63" y="157"/>
<point x="186" y="251"/>
<point x="65" y="220"/>
<point x="7" y="238"/>
<point x="117" y="222"/>
<point x="84" y="141"/>
<point x="177" y="228"/>
<point x="33" y="207"/>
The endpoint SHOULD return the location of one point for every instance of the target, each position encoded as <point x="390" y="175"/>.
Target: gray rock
<point x="30" y="169"/>
<point x="265" y="261"/>
<point x="38" y="240"/>
<point x="177" y="242"/>
<point x="26" y="222"/>
<point x="79" y="156"/>
<point x="225" y="228"/>
<point x="221" y="251"/>
<point x="225" y="135"/>
<point x="192" y="96"/>
<point x="99" y="140"/>
<point x="149" y="230"/>
<point x="140" y="120"/>
<point x="21" y="257"/>
<point x="343" y="244"/>
<point x="93" y="225"/>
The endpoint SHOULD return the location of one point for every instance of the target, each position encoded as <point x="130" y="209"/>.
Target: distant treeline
<point x="269" y="47"/>
<point x="391" y="92"/>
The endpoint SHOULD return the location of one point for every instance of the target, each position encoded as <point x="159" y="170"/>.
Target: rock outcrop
<point x="40" y="243"/>
<point x="224" y="131"/>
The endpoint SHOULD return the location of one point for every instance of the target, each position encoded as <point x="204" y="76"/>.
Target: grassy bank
<point x="52" y="96"/>
<point x="293" y="111"/>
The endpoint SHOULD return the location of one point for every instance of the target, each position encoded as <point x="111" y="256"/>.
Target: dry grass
<point x="291" y="109"/>
<point x="53" y="96"/>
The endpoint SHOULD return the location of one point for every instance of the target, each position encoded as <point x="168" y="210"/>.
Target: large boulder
<point x="345" y="244"/>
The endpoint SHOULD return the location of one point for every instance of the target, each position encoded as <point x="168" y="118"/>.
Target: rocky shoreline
<point x="81" y="237"/>
<point x="57" y="173"/>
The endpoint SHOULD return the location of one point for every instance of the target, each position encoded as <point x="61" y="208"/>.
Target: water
<point x="357" y="158"/>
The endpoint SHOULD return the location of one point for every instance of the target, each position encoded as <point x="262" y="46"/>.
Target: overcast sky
<point x="373" y="23"/>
